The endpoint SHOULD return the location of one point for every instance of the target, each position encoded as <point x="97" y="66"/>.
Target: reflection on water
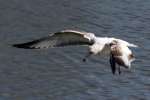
<point x="60" y="74"/>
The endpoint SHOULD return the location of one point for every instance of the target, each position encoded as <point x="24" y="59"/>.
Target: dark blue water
<point x="60" y="74"/>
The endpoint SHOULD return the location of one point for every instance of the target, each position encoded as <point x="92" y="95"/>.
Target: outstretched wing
<point x="60" y="39"/>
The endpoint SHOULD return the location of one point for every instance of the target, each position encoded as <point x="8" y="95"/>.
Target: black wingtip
<point x="26" y="45"/>
<point x="112" y="64"/>
<point x="113" y="70"/>
<point x="30" y="44"/>
<point x="23" y="46"/>
<point x="119" y="70"/>
<point x="17" y="46"/>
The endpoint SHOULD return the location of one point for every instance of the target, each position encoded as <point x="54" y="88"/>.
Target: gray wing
<point x="60" y="39"/>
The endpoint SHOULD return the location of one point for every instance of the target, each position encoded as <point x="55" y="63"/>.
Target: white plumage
<point x="117" y="49"/>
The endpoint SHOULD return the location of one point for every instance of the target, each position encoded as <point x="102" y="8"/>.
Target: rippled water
<point x="60" y="74"/>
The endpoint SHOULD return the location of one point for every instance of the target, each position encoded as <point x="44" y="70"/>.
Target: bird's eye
<point x="111" y="44"/>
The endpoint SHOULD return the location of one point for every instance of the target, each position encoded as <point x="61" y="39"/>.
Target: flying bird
<point x="117" y="49"/>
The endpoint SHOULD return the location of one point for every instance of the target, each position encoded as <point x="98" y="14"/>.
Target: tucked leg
<point x="87" y="56"/>
<point x="119" y="70"/>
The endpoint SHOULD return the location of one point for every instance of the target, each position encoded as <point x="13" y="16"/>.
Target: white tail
<point x="132" y="45"/>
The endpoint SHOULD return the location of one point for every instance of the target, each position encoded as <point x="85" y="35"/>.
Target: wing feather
<point x="60" y="39"/>
<point x="112" y="63"/>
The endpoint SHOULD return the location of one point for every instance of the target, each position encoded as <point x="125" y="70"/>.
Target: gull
<point x="116" y="49"/>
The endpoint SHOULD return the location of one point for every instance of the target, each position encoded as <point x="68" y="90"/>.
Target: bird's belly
<point x="119" y="61"/>
<point x="105" y="52"/>
<point x="122" y="61"/>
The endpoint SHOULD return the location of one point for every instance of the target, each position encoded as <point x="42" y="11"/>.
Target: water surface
<point x="60" y="74"/>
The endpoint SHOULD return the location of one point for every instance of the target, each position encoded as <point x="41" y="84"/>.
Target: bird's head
<point x="113" y="42"/>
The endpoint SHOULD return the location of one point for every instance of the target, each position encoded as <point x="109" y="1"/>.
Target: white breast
<point x="126" y="53"/>
<point x="101" y="46"/>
